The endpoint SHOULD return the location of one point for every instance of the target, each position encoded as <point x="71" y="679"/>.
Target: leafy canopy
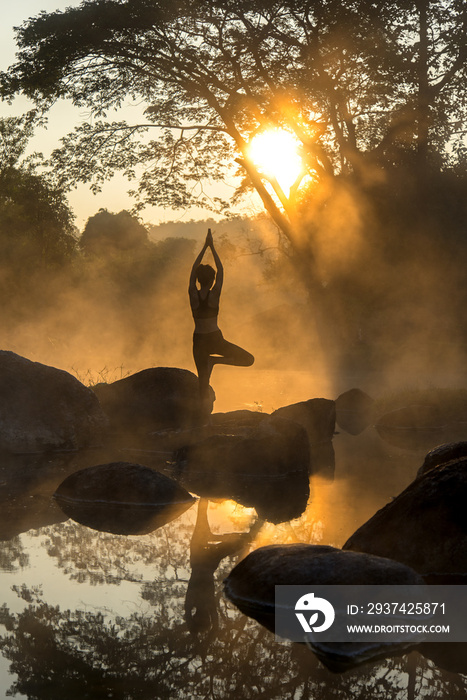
<point x="36" y="223"/>
<point x="106" y="233"/>
<point x="363" y="85"/>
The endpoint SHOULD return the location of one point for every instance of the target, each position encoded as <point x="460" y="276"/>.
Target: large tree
<point x="366" y="87"/>
<point x="106" y="233"/>
<point x="359" y="82"/>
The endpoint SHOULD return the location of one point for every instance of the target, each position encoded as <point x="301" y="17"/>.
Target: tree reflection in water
<point x="12" y="555"/>
<point x="75" y="654"/>
<point x="167" y="651"/>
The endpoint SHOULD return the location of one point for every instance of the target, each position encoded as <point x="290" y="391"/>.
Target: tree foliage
<point x="362" y="85"/>
<point x="106" y="232"/>
<point x="36" y="223"/>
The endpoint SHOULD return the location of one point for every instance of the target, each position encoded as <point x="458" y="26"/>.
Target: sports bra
<point x="204" y="310"/>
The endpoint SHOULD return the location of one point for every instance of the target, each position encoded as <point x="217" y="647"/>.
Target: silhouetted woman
<point x="209" y="346"/>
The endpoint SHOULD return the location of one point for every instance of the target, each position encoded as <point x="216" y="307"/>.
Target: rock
<point x="354" y="411"/>
<point x="254" y="578"/>
<point x="317" y="416"/>
<point x="122" y="498"/>
<point x="275" y="447"/>
<point x="43" y="408"/>
<point x="442" y="454"/>
<point x="251" y="586"/>
<point x="267" y="469"/>
<point x="155" y="398"/>
<point x="237" y="422"/>
<point x="425" y="527"/>
<point x="414" y="417"/>
<point x="413" y="427"/>
<point x="169" y="440"/>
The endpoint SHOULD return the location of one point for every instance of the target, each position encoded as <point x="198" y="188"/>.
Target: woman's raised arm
<point x="217" y="261"/>
<point x="196" y="264"/>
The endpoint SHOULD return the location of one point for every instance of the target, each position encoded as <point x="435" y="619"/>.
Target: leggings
<point x="210" y="349"/>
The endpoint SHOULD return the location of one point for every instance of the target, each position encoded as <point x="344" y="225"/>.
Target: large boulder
<point x="153" y="399"/>
<point x="267" y="469"/>
<point x="425" y="527"/>
<point x="43" y="408"/>
<point x="317" y="416"/>
<point x="251" y="586"/>
<point x="354" y="411"/>
<point x="122" y="498"/>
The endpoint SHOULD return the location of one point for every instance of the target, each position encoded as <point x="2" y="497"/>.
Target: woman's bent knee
<point x="249" y="359"/>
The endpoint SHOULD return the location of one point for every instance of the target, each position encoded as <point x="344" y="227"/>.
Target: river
<point x="90" y="614"/>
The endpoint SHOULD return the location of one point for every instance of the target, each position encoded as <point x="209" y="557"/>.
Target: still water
<point x="89" y="614"/>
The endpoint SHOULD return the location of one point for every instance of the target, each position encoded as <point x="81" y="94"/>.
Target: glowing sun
<point x="275" y="153"/>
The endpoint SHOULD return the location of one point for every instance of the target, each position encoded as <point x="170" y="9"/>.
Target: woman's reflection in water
<point x="206" y="552"/>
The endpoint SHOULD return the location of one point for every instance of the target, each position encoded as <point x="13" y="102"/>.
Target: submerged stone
<point x="251" y="586"/>
<point x="425" y="526"/>
<point x="43" y="408"/>
<point x="412" y="427"/>
<point x="122" y="498"/>
<point x="414" y="417"/>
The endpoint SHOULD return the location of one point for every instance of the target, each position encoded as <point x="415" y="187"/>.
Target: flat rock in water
<point x="122" y="498"/>
<point x="43" y="408"/>
<point x="155" y="398"/>
<point x="425" y="526"/>
<point x="254" y="578"/>
<point x="442" y="454"/>
<point x="251" y="586"/>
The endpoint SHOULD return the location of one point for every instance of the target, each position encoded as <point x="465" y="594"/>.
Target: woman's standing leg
<point x="203" y="363"/>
